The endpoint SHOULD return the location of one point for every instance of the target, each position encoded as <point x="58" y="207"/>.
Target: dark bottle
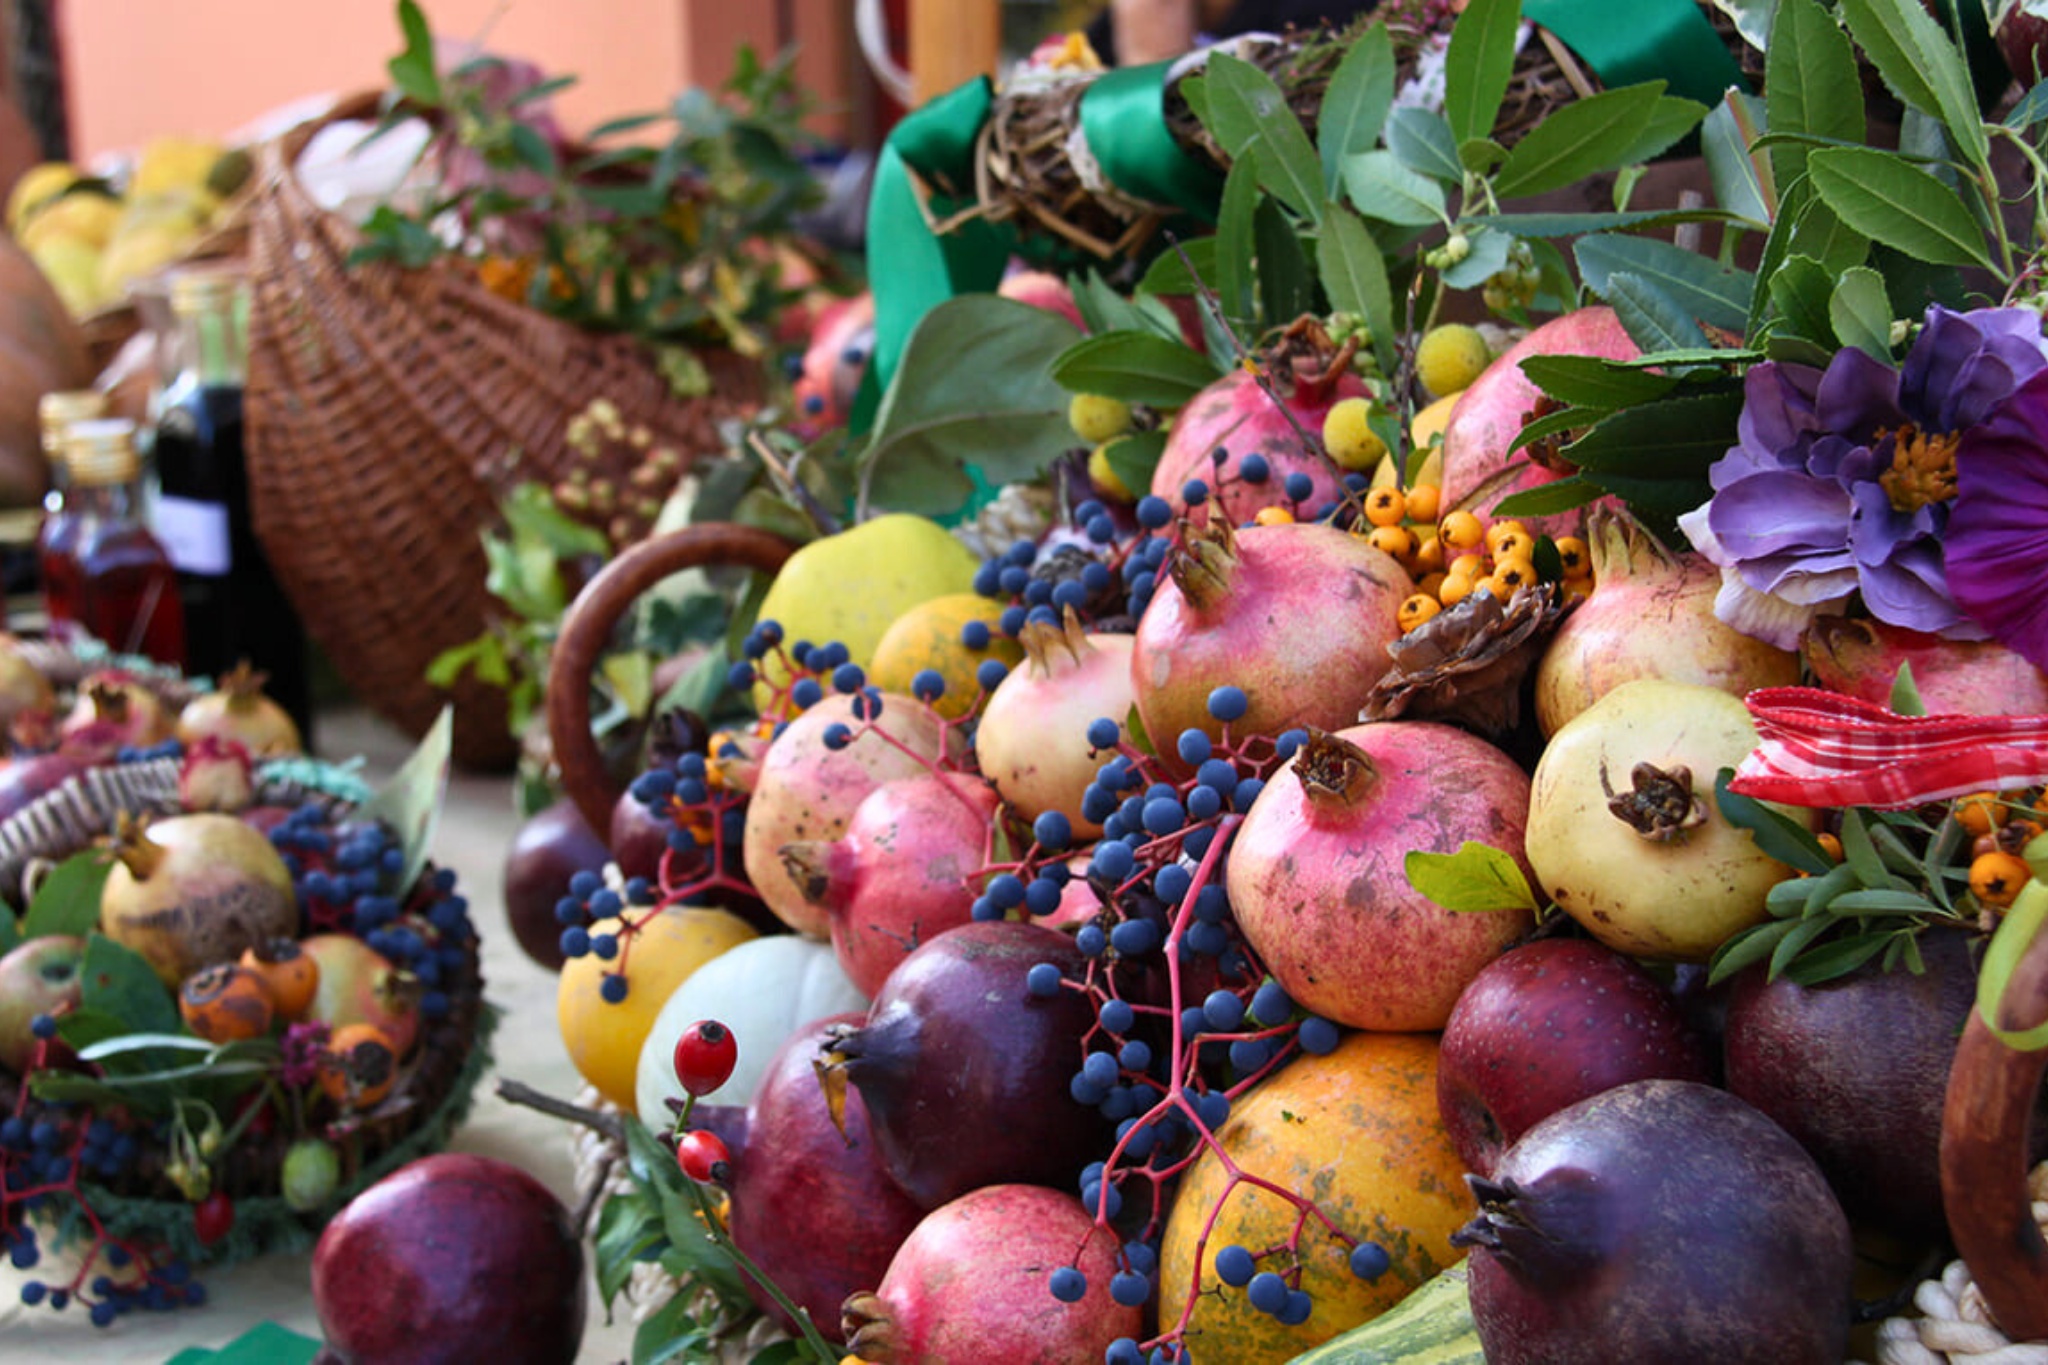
<point x="235" y="609"/>
<point x="127" y="588"/>
<point x="57" y="538"/>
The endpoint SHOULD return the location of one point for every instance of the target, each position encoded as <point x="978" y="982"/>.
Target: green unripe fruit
<point x="1351" y="442"/>
<point x="312" y="1169"/>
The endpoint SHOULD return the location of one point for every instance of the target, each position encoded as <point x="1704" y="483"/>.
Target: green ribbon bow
<point x="1645" y="40"/>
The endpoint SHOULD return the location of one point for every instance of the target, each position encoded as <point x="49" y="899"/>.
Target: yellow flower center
<point x="1923" y="469"/>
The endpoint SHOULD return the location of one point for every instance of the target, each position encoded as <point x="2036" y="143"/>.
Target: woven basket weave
<point x="376" y="396"/>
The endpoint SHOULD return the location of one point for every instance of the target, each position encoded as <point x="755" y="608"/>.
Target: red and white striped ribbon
<point x="1820" y="748"/>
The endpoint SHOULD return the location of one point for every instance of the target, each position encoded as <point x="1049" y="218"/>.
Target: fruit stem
<point x="132" y="845"/>
<point x="1206" y="561"/>
<point x="1333" y="771"/>
<point x="1659" y="805"/>
<point x="516" y="1092"/>
<point x="821" y="1350"/>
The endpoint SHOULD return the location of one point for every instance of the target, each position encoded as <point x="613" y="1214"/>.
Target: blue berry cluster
<point x="1042" y="586"/>
<point x="817" y="667"/>
<point x="132" y="753"/>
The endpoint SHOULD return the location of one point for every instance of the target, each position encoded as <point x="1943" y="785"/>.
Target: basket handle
<point x="1984" y="1149"/>
<point x="587" y="629"/>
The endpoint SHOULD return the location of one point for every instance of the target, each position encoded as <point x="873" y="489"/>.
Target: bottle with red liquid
<point x="235" y="608"/>
<point x="57" y="540"/>
<point x="127" y="586"/>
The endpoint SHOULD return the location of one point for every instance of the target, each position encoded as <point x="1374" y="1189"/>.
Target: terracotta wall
<point x="139" y="67"/>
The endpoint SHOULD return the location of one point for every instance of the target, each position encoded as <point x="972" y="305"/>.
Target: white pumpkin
<point x="763" y="990"/>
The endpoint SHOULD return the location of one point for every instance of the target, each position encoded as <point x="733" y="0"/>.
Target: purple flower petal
<point x="1909" y="589"/>
<point x="1998" y="526"/>
<point x="1774" y="512"/>
<point x="1858" y="395"/>
<point x="1878" y="529"/>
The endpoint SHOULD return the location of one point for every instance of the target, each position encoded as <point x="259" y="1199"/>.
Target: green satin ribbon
<point x="1123" y="115"/>
<point x="911" y="269"/>
<point x="1644" y="40"/>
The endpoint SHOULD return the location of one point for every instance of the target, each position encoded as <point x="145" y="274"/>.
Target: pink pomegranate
<point x="802" y="1182"/>
<point x="1237" y="415"/>
<point x="833" y="365"/>
<point x="902" y="874"/>
<point x="1479" y="469"/>
<point x="1299" y="616"/>
<point x="1969" y="677"/>
<point x="1650" y="615"/>
<point x="1317" y="879"/>
<point x="1041" y="289"/>
<point x="113" y="702"/>
<point x="973" y="1283"/>
<point x="1033" y="738"/>
<point x="806" y="790"/>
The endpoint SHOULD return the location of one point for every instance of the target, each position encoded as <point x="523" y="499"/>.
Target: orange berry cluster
<point x="2000" y="827"/>
<point x="1465" y="555"/>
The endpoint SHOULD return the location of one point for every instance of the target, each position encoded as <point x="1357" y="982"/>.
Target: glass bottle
<point x="127" y="586"/>
<point x="235" y="609"/>
<point x="57" y="538"/>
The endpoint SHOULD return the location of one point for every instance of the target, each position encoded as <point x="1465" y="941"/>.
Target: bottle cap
<point x="206" y="289"/>
<point x="58" y="410"/>
<point x="102" y="451"/>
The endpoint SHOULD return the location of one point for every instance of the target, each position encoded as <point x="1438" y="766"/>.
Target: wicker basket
<point x="431" y="1098"/>
<point x="376" y="397"/>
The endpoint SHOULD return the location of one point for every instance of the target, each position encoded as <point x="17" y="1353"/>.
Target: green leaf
<point x="1803" y="293"/>
<point x="974" y="383"/>
<point x="631" y="123"/>
<point x="1286" y="289"/>
<point x="1679" y="436"/>
<point x="1133" y="457"/>
<point x="1423" y="143"/>
<point x="1548" y="499"/>
<point x="1832" y="961"/>
<point x="1881" y="901"/>
<point x="1921" y="66"/>
<point x="631" y="676"/>
<point x="525" y="576"/>
<point x="1488" y="255"/>
<point x="1380" y="186"/>
<point x="412" y="70"/>
<point x="1170" y="274"/>
<point x="1136" y="367"/>
<point x="119" y="983"/>
<point x="10" y="931"/>
<point x="530" y="510"/>
<point x="1894" y="202"/>
<point x="1477" y="67"/>
<point x="1134" y="731"/>
<point x="1797" y="937"/>
<point x="1250" y="116"/>
<point x="691" y="1246"/>
<point x="1810" y="83"/>
<point x="1354" y="277"/>
<point x="672" y="1334"/>
<point x="1478" y="877"/>
<point x="2032" y="108"/>
<point x="451" y="663"/>
<point x="1588" y="381"/>
<point x="1860" y="854"/>
<point x="533" y="150"/>
<point x="1747" y="948"/>
<point x="1670" y="119"/>
<point x="1905" y="697"/>
<point x="1578" y="224"/>
<point x="628" y="1228"/>
<point x="68" y="901"/>
<point x="1733" y="171"/>
<point x="1355" y="105"/>
<point x="1235" y="281"/>
<point x="1820" y="233"/>
<point x="1104" y="310"/>
<point x="410" y="803"/>
<point x="1557" y="423"/>
<point x="1713" y="293"/>
<point x="1481" y="155"/>
<point x="1775" y="832"/>
<point x="1577" y="140"/>
<point x="1862" y="314"/>
<point x="1653" y="319"/>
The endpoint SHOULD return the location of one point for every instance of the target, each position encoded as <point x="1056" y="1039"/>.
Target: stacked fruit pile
<point x="232" y="994"/>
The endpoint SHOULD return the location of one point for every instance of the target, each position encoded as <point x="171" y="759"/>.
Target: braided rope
<point x="1956" y="1326"/>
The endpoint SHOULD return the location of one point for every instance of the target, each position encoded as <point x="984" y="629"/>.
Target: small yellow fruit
<point x="1432" y="584"/>
<point x="1450" y="357"/>
<point x="1397" y="541"/>
<point x="38" y="186"/>
<point x="1418" y="610"/>
<point x="1427" y="430"/>
<point x="1273" y="516"/>
<point x="1424" y="501"/>
<point x="852" y="586"/>
<point x="174" y="163"/>
<point x="1501" y="530"/>
<point x="1386" y="507"/>
<point x="1102" y="476"/>
<point x="1454" y="589"/>
<point x="1461" y="531"/>
<point x="1429" y="554"/>
<point x="1095" y="418"/>
<point x="1576" y="559"/>
<point x="1351" y="442"/>
<point x="929" y="636"/>
<point x="604" y="1039"/>
<point x="73" y="269"/>
<point x="84" y="216"/>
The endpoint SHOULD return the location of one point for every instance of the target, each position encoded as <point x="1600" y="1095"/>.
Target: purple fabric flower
<point x="1841" y="479"/>
<point x="1999" y="527"/>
